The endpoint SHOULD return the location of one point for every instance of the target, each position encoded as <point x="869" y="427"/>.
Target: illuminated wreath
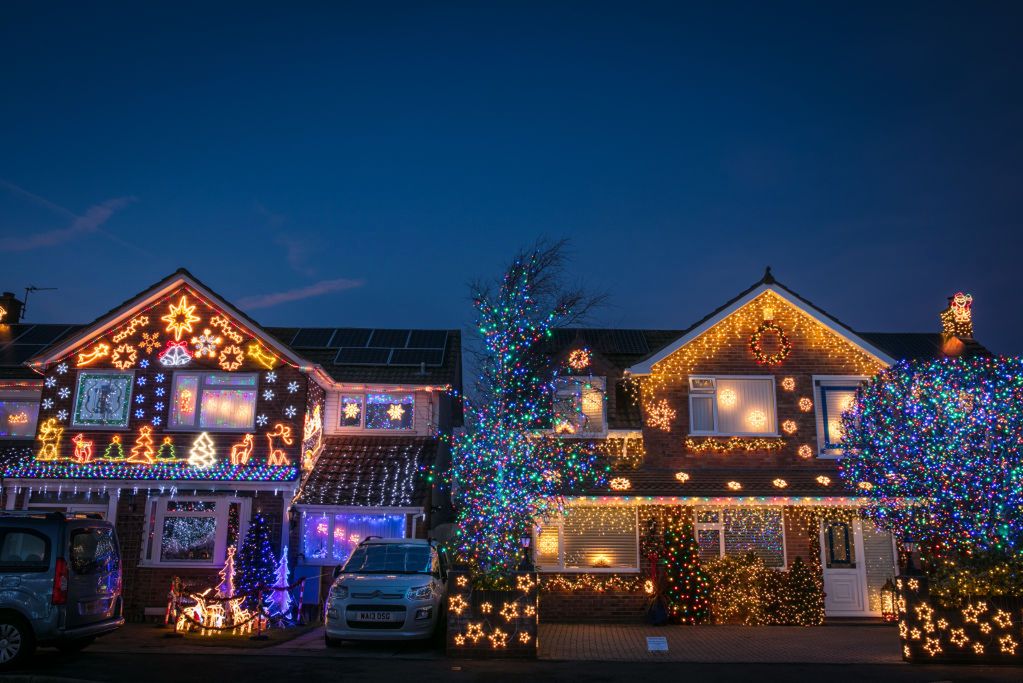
<point x="784" y="345"/>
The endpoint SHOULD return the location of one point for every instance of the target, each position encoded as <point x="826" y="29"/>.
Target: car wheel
<point x="16" y="641"/>
<point x="332" y="642"/>
<point x="76" y="645"/>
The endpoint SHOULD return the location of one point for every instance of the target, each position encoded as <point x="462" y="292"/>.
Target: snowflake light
<point x="50" y="382"/>
<point x="64" y="392"/>
<point x="62" y="368"/>
<point x="789" y="426"/>
<point x="261" y="420"/>
<point x="268" y="394"/>
<point x="206" y="344"/>
<point x="290" y="411"/>
<point x="292" y="387"/>
<point x="47" y="403"/>
<point x="620" y="484"/>
<point x="396" y="411"/>
<point x="805" y="404"/>
<point x="788" y="383"/>
<point x="62" y="415"/>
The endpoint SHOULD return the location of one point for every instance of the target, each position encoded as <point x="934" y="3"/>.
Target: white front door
<point x="845" y="575"/>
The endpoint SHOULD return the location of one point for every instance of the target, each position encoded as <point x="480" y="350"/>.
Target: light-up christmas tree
<point x="802" y="599"/>
<point x="280" y="601"/>
<point x="225" y="589"/>
<point x="142" y="452"/>
<point x="256" y="564"/>
<point x="114" y="449"/>
<point x="506" y="472"/>
<point x="203" y="454"/>
<point x="687" y="587"/>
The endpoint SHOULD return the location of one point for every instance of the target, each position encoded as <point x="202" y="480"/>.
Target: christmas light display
<point x="660" y="415"/>
<point x="487" y="622"/>
<point x="789" y="427"/>
<point x="757" y="349"/>
<point x="620" y="484"/>
<point x="114" y="450"/>
<point x="256" y="564"/>
<point x="50" y="434"/>
<point x="242" y="451"/>
<point x="142" y="452"/>
<point x="261" y="356"/>
<point x="224" y="325"/>
<point x="687" y="587"/>
<point x="788" y="383"/>
<point x="911" y="437"/>
<point x="579" y="359"/>
<point x="957" y="319"/>
<point x="681" y="477"/>
<point x="179" y="318"/>
<point x="805" y="404"/>
<point x="89" y="357"/>
<point x="733" y="445"/>
<point x="277" y="456"/>
<point x="499" y="461"/>
<point x="163" y="469"/>
<point x="129" y="329"/>
<point x="83" y="449"/>
<point x="203" y="453"/>
<point x="175" y="355"/>
<point x="231" y="358"/>
<point x="206" y="344"/>
<point x="150" y="342"/>
<point x="805" y="451"/>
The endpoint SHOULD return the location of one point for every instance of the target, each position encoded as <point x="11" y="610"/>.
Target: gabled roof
<point x="21" y="341"/>
<point x="765" y="284"/>
<point x="121" y="313"/>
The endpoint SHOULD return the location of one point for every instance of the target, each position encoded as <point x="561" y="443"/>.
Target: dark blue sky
<point x="385" y="154"/>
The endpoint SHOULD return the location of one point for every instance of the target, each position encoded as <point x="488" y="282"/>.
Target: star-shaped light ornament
<point x="351" y="410"/>
<point x="180" y="317"/>
<point x="395" y="412"/>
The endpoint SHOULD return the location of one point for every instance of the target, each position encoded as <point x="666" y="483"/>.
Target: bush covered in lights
<point x="506" y="474"/>
<point x="947" y="435"/>
<point x="746" y="591"/>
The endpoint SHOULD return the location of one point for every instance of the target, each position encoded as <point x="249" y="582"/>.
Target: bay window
<point x="732" y="406"/>
<point x="213" y="402"/>
<point x="590" y="539"/>
<point x="330" y="536"/>
<point x="193" y="531"/>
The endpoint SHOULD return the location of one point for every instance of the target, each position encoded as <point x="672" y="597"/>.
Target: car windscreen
<point x="389" y="558"/>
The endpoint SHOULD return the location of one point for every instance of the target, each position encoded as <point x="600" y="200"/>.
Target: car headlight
<point x="419" y="592"/>
<point x="338" y="592"/>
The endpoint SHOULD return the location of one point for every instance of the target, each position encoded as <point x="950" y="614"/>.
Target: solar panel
<point x="362" y="356"/>
<point x="416" y="357"/>
<point x="392" y="338"/>
<point x="348" y="336"/>
<point x="313" y="337"/>
<point x="428" y="339"/>
<point x="42" y="334"/>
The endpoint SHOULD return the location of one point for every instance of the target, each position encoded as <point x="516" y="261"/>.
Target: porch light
<point x="888" y="611"/>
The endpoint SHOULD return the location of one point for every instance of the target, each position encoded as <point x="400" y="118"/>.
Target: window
<point x="19" y="413"/>
<point x="579" y="406"/>
<point x="834" y="396"/>
<point x="94" y="551"/>
<point x="590" y="539"/>
<point x="193" y="531"/>
<point x="329" y="537"/>
<point x="732" y="406"/>
<point x="351" y="409"/>
<point x="24" y="550"/>
<point x="390" y="411"/>
<point x="734" y="532"/>
<point x="103" y="399"/>
<point x="213" y="402"/>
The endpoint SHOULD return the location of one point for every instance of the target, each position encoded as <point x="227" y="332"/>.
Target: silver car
<point x="390" y="589"/>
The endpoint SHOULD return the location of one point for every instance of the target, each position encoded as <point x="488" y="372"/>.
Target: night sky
<point x="328" y="165"/>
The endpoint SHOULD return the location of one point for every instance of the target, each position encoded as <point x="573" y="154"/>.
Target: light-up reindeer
<point x="276" y="456"/>
<point x="49" y="435"/>
<point x="242" y="451"/>
<point x="83" y="449"/>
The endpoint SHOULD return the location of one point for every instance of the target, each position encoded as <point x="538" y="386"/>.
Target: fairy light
<point x="805" y="404"/>
<point x="788" y="383"/>
<point x="789" y="427"/>
<point x="660" y="415"/>
<point x="733" y="444"/>
<point x="681" y="477"/>
<point x="727" y="398"/>
<point x="620" y="484"/>
<point x="805" y="451"/>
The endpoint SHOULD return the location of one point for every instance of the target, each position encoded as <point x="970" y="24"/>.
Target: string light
<point x="788" y="383"/>
<point x="579" y="359"/>
<point x="789" y="427"/>
<point x="733" y="444"/>
<point x="203" y="453"/>
<point x="130" y="328"/>
<point x="100" y="350"/>
<point x="660" y="415"/>
<point x="757" y="349"/>
<point x="805" y="451"/>
<point x="805" y="404"/>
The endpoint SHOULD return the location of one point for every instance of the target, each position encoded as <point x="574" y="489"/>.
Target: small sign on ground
<point x="656" y="644"/>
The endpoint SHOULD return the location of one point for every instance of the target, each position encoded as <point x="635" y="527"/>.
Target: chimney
<point x="10" y="309"/>
<point x="956" y="324"/>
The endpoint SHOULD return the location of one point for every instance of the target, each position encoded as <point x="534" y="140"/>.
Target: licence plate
<point x="377" y="616"/>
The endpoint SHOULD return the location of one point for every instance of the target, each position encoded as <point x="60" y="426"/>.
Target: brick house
<point x="733" y="421"/>
<point x="179" y="417"/>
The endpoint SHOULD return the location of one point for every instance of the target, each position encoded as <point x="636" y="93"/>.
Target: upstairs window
<point x="390" y="411"/>
<point x="834" y="396"/>
<point x="352" y="407"/>
<point x="732" y="406"/>
<point x="103" y="399"/>
<point x="19" y="413"/>
<point x="213" y="402"/>
<point x="579" y="405"/>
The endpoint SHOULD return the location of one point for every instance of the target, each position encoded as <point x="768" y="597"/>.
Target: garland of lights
<point x="505" y="474"/>
<point x="947" y="434"/>
<point x="733" y="444"/>
<point x="757" y="349"/>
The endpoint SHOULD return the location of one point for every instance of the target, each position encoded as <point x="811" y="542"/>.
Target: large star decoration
<point x="180" y="318"/>
<point x="395" y="412"/>
<point x="351" y="410"/>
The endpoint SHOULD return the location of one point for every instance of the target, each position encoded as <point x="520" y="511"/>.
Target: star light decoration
<point x="352" y="410"/>
<point x="395" y="412"/>
<point x="180" y="317"/>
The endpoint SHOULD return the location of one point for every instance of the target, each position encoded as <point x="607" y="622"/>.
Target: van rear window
<point x="24" y="550"/>
<point x="94" y="551"/>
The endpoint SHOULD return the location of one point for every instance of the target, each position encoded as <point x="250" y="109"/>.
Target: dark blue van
<point x="60" y="582"/>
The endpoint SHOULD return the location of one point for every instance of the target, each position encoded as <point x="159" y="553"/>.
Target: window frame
<point x="560" y="568"/>
<point x="825" y="449"/>
<point x="719" y="527"/>
<point x="331" y="512"/>
<point x="362" y="412"/>
<point x="714" y="402"/>
<point x="22" y="395"/>
<point x="603" y="408"/>
<point x="156" y="513"/>
<point x="82" y="372"/>
<point x="202" y="388"/>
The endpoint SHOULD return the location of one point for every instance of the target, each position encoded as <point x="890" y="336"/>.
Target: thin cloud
<point x="90" y="222"/>
<point x="317" y="289"/>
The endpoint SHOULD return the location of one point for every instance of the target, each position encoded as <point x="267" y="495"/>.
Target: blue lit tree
<point x="507" y="470"/>
<point x="255" y="564"/>
<point x="938" y="447"/>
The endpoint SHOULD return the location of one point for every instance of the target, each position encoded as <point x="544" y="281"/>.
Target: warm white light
<point x="727" y="398"/>
<point x="756" y="419"/>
